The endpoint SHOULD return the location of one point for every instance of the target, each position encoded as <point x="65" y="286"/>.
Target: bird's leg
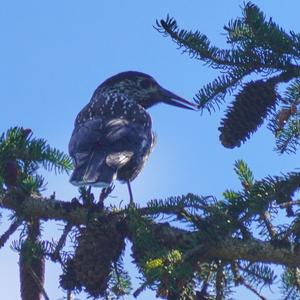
<point x="89" y="190"/>
<point x="86" y="195"/>
<point x="131" y="202"/>
<point x="90" y="196"/>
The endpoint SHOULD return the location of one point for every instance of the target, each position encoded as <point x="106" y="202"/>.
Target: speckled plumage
<point x="112" y="137"/>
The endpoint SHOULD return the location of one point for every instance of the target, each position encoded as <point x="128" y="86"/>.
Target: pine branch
<point x="19" y="145"/>
<point x="120" y="283"/>
<point x="178" y="204"/>
<point x="61" y="242"/>
<point x="257" y="46"/>
<point x="265" y="218"/>
<point x="290" y="284"/>
<point x="50" y="158"/>
<point x="140" y="289"/>
<point x="240" y="280"/>
<point x="257" y="274"/>
<point x="292" y="93"/>
<point x="267" y="34"/>
<point x="214" y="93"/>
<point x="244" y="173"/>
<point x="54" y="159"/>
<point x="253" y="51"/>
<point x="225" y="249"/>
<point x="249" y="287"/>
<point x="287" y="140"/>
<point x="12" y="228"/>
<point x="198" y="46"/>
<point x="32" y="264"/>
<point x="47" y="209"/>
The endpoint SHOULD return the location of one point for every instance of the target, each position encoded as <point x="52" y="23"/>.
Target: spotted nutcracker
<point x="112" y="138"/>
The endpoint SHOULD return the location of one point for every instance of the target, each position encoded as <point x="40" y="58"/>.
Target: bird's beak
<point x="172" y="99"/>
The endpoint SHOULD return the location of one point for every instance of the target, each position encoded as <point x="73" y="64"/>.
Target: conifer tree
<point x="206" y="246"/>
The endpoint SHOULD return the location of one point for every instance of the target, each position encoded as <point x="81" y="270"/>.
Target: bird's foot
<point x="104" y="194"/>
<point x="86" y="196"/>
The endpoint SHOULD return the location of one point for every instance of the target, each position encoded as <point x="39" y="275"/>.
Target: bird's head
<point x="144" y="90"/>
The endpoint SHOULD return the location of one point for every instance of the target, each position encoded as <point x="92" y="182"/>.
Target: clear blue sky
<point x="53" y="55"/>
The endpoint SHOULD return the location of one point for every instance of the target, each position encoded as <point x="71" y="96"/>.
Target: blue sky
<point x="54" y="54"/>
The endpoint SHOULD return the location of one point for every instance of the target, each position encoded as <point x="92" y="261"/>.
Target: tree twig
<point x="240" y="280"/>
<point x="253" y="290"/>
<point x="12" y="228"/>
<point x="61" y="241"/>
<point x="140" y="289"/>
<point x="266" y="220"/>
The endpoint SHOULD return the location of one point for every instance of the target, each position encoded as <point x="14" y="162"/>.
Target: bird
<point x="112" y="136"/>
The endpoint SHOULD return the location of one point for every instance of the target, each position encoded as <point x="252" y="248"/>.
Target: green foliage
<point x="254" y="29"/>
<point x="285" y="122"/>
<point x="288" y="139"/>
<point x="144" y="237"/>
<point x="161" y="264"/>
<point x="173" y="270"/>
<point x="292" y="93"/>
<point x="258" y="196"/>
<point x="256" y="46"/>
<point x="120" y="282"/>
<point x="20" y="157"/>
<point x="244" y="173"/>
<point x="181" y="207"/>
<point x="31" y="249"/>
<point x="198" y="46"/>
<point x="290" y="287"/>
<point x="258" y="274"/>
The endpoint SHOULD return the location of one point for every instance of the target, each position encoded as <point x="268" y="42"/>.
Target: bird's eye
<point x="146" y="83"/>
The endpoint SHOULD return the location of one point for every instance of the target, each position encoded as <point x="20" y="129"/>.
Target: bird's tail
<point x="91" y="169"/>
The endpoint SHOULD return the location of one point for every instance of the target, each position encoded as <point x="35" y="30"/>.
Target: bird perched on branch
<point x="112" y="138"/>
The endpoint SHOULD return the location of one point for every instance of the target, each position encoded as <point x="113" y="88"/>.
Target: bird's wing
<point x="86" y="136"/>
<point x="100" y="148"/>
<point x="124" y="139"/>
<point x="114" y="135"/>
<point x="124" y="134"/>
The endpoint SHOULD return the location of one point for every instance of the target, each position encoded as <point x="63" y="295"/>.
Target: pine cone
<point x="98" y="246"/>
<point x="247" y="112"/>
<point x="26" y="132"/>
<point x="11" y="173"/>
<point x="68" y="280"/>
